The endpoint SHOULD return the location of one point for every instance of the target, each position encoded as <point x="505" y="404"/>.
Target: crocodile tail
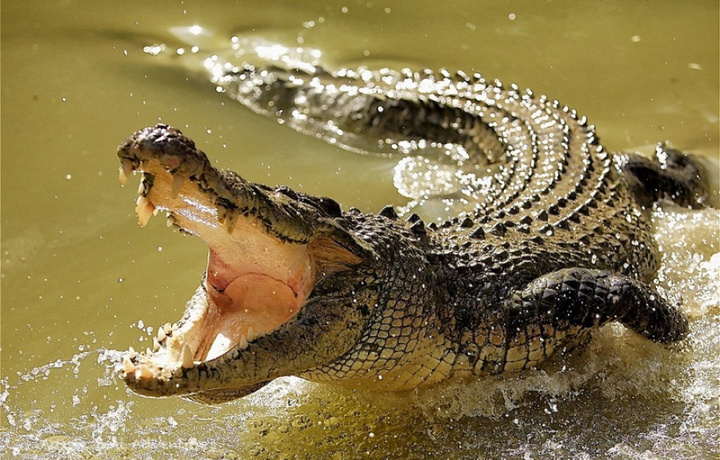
<point x="670" y="175"/>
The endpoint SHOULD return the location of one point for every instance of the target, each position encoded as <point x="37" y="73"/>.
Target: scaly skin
<point x="559" y="244"/>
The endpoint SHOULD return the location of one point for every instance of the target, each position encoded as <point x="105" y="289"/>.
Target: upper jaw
<point x="199" y="195"/>
<point x="192" y="186"/>
<point x="267" y="249"/>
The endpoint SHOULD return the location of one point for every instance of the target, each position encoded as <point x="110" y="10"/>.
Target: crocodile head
<point x="277" y="258"/>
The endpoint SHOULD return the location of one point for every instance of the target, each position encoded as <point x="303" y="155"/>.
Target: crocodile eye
<point x="330" y="206"/>
<point x="327" y="205"/>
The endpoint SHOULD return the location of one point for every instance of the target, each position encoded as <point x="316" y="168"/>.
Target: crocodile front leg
<point x="560" y="308"/>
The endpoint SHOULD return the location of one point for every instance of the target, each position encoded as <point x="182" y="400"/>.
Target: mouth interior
<point x="254" y="282"/>
<point x="251" y="304"/>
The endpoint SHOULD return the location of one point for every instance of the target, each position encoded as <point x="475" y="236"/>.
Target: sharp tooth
<point x="221" y="214"/>
<point x="128" y="366"/>
<point x="126" y="168"/>
<point x="177" y="185"/>
<point x="132" y="353"/>
<point x="167" y="328"/>
<point x="156" y="344"/>
<point x="147" y="351"/>
<point x="144" y="210"/>
<point x="251" y="335"/>
<point x="170" y="221"/>
<point x="161" y="334"/>
<point x="122" y="177"/>
<point x="230" y="222"/>
<point x="243" y="343"/>
<point x="143" y="372"/>
<point x="187" y="357"/>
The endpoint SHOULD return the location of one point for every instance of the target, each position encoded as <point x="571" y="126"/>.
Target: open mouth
<point x="256" y="280"/>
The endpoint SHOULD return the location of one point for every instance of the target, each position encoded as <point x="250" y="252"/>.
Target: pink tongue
<point x="252" y="300"/>
<point x="262" y="302"/>
<point x="244" y="296"/>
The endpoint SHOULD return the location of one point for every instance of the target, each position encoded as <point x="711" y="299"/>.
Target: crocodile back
<point x="534" y="169"/>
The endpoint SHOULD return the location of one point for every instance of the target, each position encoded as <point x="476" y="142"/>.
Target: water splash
<point x="68" y="424"/>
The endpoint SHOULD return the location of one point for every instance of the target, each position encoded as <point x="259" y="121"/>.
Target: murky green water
<point x="80" y="280"/>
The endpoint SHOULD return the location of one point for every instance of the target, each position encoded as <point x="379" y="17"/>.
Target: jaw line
<point x="170" y="370"/>
<point x="253" y="267"/>
<point x="288" y="238"/>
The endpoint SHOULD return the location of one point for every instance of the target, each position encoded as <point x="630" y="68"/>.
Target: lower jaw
<point x="250" y="306"/>
<point x="214" y="325"/>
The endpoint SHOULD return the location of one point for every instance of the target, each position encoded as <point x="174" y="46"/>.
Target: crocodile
<point x="559" y="242"/>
